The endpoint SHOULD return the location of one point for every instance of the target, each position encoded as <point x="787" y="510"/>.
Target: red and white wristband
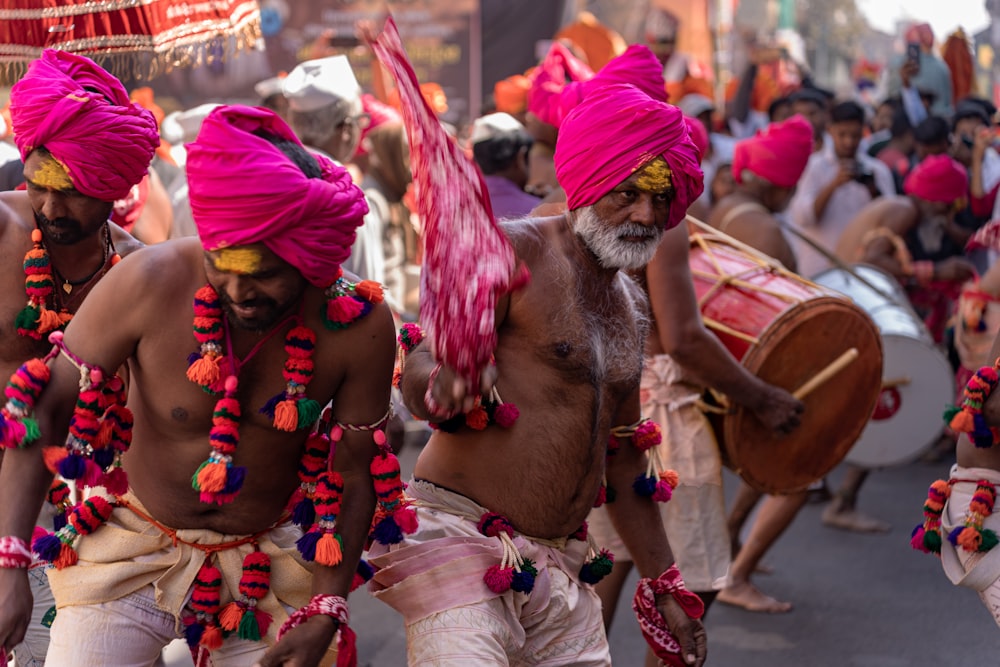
<point x="335" y="607"/>
<point x="14" y="553"/>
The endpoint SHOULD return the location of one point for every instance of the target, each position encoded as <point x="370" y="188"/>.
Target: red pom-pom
<point x="647" y="435"/>
<point x="498" y="579"/>
<point x="506" y="415"/>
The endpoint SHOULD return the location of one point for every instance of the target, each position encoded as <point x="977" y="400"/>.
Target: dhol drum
<point x="789" y="332"/>
<point x="917" y="380"/>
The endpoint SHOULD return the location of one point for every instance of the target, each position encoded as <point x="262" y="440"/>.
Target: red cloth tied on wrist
<point x="654" y="628"/>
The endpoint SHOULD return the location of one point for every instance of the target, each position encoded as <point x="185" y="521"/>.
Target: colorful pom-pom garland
<point x="514" y="572"/>
<point x="657" y="482"/>
<point x="971" y="536"/>
<point x="347" y="302"/>
<point x="969" y="418"/>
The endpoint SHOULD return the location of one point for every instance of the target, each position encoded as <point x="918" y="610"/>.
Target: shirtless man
<point x="766" y="168"/>
<point x="69" y="206"/>
<point x="169" y="539"/>
<point x="903" y="235"/>
<point x="569" y="356"/>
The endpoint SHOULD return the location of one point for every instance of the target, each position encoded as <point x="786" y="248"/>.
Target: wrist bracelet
<point x="435" y="409"/>
<point x="320" y="605"/>
<point x="14" y="553"/>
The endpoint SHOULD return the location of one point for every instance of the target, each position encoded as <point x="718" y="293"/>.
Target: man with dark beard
<point x="83" y="145"/>
<point x="206" y="549"/>
<point x="499" y="571"/>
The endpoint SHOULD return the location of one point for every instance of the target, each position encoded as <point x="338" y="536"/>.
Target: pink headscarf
<point x="778" y="153"/>
<point x="549" y="79"/>
<point x="83" y="116"/>
<point x="637" y="66"/>
<point x="699" y="135"/>
<point x="922" y="34"/>
<point x="612" y="134"/>
<point x="380" y="113"/>
<point x="938" y="178"/>
<point x="245" y="190"/>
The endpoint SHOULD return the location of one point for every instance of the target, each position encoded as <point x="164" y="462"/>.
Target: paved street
<point x="860" y="600"/>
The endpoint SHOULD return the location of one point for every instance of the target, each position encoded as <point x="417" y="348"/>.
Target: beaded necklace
<point x="40" y="316"/>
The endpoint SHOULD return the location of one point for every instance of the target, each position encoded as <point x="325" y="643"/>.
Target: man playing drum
<point x="766" y="168"/>
<point x="903" y="235"/>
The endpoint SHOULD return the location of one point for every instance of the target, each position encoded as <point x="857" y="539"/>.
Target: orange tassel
<point x="962" y="422"/>
<point x="370" y="291"/>
<point x="67" y="557"/>
<point x="52" y="457"/>
<point x="970" y="539"/>
<point x="212" y="478"/>
<point x="670" y="477"/>
<point x="230" y="617"/>
<point x="286" y="416"/>
<point x="104" y="433"/>
<point x="212" y="637"/>
<point x="328" y="551"/>
<point x="48" y="320"/>
<point x="205" y="371"/>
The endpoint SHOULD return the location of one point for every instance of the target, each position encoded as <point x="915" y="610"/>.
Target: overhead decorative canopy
<point x="132" y="39"/>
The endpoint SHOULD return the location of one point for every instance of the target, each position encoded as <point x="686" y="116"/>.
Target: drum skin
<point x="800" y="328"/>
<point x="918" y="378"/>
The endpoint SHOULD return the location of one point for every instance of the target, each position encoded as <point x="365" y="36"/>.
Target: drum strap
<point x="739" y="209"/>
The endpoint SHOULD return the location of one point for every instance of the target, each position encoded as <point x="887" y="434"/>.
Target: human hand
<point x="907" y="71"/>
<point x="846" y="173"/>
<point x="983" y="140"/>
<point x="15" y="607"/>
<point x="778" y="410"/>
<point x="689" y="632"/>
<point x="954" y="269"/>
<point x="450" y="394"/>
<point x="303" y="646"/>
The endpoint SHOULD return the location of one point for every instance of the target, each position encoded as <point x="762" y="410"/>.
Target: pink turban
<point x="637" y="66"/>
<point x="937" y="178"/>
<point x="549" y="79"/>
<point x="699" y="135"/>
<point x="612" y="134"/>
<point x="83" y="116"/>
<point x="245" y="190"/>
<point x="778" y="154"/>
<point x="922" y="34"/>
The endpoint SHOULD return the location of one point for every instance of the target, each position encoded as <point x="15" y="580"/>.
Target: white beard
<point x="608" y="244"/>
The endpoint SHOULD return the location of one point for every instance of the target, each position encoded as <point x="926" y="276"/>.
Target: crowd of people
<point x="247" y="272"/>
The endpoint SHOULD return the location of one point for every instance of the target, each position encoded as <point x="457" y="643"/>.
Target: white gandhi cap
<point x="493" y="125"/>
<point x="315" y="84"/>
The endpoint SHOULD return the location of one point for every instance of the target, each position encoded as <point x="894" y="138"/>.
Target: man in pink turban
<point x="83" y="144"/>
<point x="200" y="512"/>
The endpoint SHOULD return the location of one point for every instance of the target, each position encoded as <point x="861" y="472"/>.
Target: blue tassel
<point x="47" y="547"/>
<point x="304" y="513"/>
<point x="953" y="535"/>
<point x="644" y="486"/>
<point x="365" y="570"/>
<point x="272" y="405"/>
<point x="387" y="532"/>
<point x="524" y="581"/>
<point x="588" y="575"/>
<point x="72" y="467"/>
<point x="59" y="521"/>
<point x="104" y="457"/>
<point x="193" y="633"/>
<point x="235" y="475"/>
<point x="193" y="357"/>
<point x="307" y="545"/>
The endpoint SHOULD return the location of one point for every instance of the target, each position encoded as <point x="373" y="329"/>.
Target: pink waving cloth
<point x="244" y="190"/>
<point x="82" y="115"/>
<point x="654" y="628"/>
<point x="468" y="261"/>
<point x="778" y="153"/>
<point x="938" y="178"/>
<point x="612" y="134"/>
<point x="559" y="68"/>
<point x="699" y="135"/>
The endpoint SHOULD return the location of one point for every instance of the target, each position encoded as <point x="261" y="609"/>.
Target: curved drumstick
<point x="835" y="367"/>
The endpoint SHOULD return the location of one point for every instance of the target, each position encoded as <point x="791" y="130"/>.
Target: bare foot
<point x="746" y="596"/>
<point x="853" y="520"/>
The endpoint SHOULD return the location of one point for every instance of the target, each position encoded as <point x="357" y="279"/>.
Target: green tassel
<point x="950" y="412"/>
<point x="32" y="432"/>
<point x="27" y="319"/>
<point x="602" y="565"/>
<point x="932" y="540"/>
<point x="610" y="494"/>
<point x="989" y="540"/>
<point x="309" y="411"/>
<point x="49" y="617"/>
<point x="249" y="628"/>
<point x="194" y="478"/>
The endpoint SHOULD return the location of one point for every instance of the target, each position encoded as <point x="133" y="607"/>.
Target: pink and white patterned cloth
<point x="654" y="628"/>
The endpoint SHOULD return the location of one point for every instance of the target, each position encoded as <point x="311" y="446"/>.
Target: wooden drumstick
<point x="835" y="367"/>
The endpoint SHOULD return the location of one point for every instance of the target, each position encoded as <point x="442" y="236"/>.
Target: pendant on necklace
<point x="67" y="287"/>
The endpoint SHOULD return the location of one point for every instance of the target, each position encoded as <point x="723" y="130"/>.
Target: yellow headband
<point x="238" y="260"/>
<point x="655" y="176"/>
<point x="52" y="174"/>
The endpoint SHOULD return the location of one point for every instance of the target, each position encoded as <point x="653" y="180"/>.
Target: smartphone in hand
<point x="913" y="54"/>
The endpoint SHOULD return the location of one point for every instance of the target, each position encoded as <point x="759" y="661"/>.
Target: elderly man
<point x="500" y="146"/>
<point x="195" y="556"/>
<point x="84" y="145"/>
<point x="502" y="508"/>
